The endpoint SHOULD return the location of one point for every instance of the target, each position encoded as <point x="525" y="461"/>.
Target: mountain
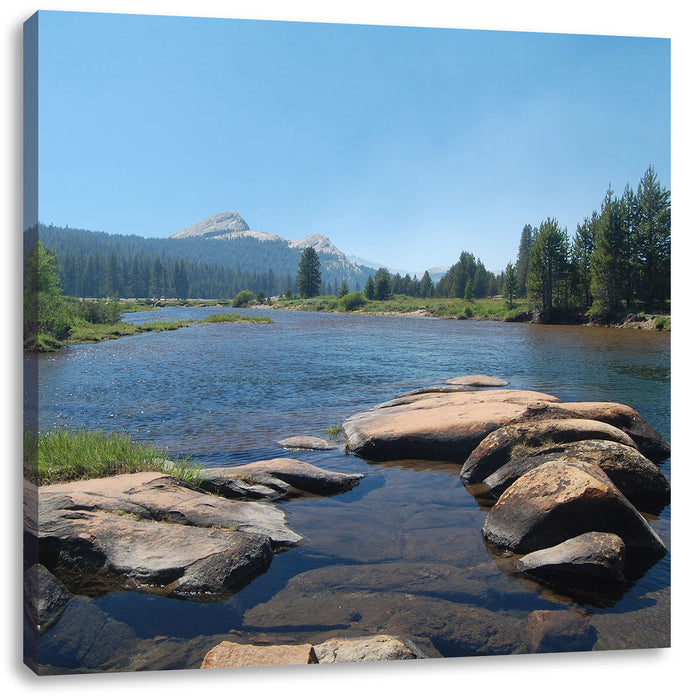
<point x="231" y="226"/>
<point x="222" y="255"/>
<point x="226" y="226"/>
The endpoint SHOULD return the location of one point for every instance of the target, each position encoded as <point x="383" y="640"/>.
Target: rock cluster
<point x="567" y="482"/>
<point x="153" y="532"/>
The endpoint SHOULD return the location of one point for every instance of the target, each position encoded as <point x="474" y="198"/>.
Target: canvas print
<point x="342" y="343"/>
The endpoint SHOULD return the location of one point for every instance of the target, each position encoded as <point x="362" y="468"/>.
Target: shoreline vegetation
<point x="61" y="455"/>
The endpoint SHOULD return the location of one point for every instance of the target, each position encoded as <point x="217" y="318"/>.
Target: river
<point x="397" y="553"/>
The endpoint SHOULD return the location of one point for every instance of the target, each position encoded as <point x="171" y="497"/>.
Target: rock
<point x="477" y="380"/>
<point x="559" y="630"/>
<point x="648" y="441"/>
<point x="306" y="442"/>
<point x="44" y="598"/>
<point x="435" y="426"/>
<point x="149" y="530"/>
<point x="228" y="654"/>
<point x="281" y="476"/>
<point x="598" y="556"/>
<point x="380" y="647"/>
<point x="641" y="481"/>
<point x="557" y="501"/>
<point x="497" y="448"/>
<point x="165" y="499"/>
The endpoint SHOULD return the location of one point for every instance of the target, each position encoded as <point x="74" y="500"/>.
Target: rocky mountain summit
<point x="230" y="225"/>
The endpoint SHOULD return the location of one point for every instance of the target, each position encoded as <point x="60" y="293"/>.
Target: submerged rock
<point x="559" y="630"/>
<point x="483" y="380"/>
<point x="306" y="442"/>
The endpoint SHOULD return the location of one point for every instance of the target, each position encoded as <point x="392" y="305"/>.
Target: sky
<point x="403" y="145"/>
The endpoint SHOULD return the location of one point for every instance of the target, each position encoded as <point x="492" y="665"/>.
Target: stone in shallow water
<point x="594" y="555"/>
<point x="306" y="442"/>
<point x="477" y="380"/>
<point x="559" y="630"/>
<point x="380" y="647"/>
<point x="229" y="654"/>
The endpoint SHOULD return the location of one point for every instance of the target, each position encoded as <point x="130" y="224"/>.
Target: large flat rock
<point x="436" y="426"/>
<point x="149" y="530"/>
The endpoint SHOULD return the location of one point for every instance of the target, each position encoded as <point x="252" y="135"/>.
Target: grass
<point x="84" y="332"/>
<point x="62" y="455"/>
<point x="481" y="309"/>
<point x="334" y="432"/>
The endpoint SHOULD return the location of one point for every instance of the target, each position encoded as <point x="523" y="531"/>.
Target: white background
<point x="630" y="674"/>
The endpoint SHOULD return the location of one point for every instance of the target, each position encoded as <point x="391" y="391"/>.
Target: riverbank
<point x="491" y="309"/>
<point x="86" y="332"/>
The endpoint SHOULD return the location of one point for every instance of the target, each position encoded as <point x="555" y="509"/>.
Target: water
<point x="400" y="553"/>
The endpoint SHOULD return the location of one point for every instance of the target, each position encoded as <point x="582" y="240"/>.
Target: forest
<point x="618" y="259"/>
<point x="98" y="264"/>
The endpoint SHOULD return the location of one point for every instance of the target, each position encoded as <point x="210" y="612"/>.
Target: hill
<point x="220" y="256"/>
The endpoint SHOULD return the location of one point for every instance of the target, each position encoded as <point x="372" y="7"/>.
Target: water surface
<point x="403" y="551"/>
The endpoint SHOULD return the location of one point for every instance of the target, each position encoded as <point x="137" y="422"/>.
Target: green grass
<point x="334" y="432"/>
<point x="72" y="456"/>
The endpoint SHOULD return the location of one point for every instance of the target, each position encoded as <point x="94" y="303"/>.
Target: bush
<point x="662" y="323"/>
<point x="355" y="300"/>
<point x="99" y="311"/>
<point x="243" y="298"/>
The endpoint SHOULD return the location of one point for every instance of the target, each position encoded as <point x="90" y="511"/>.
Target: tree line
<point x="619" y="257"/>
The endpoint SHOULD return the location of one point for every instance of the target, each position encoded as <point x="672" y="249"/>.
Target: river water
<point x="402" y="553"/>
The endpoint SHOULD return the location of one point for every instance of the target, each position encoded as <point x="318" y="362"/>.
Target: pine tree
<point x="382" y="284"/>
<point x="426" y="286"/>
<point x="522" y="268"/>
<point x="343" y="289"/>
<point x="609" y="258"/>
<point x="653" y="239"/>
<point x="548" y="268"/>
<point x="510" y="284"/>
<point x="309" y="273"/>
<point x="369" y="288"/>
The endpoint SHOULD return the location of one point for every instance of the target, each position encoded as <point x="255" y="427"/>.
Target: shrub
<point x="243" y="298"/>
<point x="662" y="323"/>
<point x="355" y="300"/>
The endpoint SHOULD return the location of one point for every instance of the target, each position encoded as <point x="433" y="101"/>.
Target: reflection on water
<point x="402" y="552"/>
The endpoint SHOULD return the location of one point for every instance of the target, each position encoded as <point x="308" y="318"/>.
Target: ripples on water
<point x="227" y="392"/>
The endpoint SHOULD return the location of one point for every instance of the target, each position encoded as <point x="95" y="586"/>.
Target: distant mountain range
<point x="222" y="255"/>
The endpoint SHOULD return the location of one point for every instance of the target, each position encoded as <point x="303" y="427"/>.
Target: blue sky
<point x="404" y="145"/>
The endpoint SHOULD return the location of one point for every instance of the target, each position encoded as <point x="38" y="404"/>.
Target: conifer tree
<point x="309" y="273"/>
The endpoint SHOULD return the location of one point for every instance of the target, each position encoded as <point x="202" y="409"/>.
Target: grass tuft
<point x="62" y="455"/>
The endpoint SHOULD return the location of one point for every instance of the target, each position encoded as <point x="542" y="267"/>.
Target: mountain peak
<point x="319" y="242"/>
<point x="229" y="222"/>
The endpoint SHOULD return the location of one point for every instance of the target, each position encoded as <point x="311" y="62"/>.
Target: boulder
<point x="229" y="654"/>
<point x="434" y="426"/>
<point x="477" y="380"/>
<point x="559" y="630"/>
<point x="641" y="481"/>
<point x="280" y="476"/>
<point x="497" y="447"/>
<point x="380" y="647"/>
<point x="596" y="556"/>
<point x="648" y="441"/>
<point x="149" y="530"/>
<point x="306" y="442"/>
<point x="45" y="597"/>
<point x="559" y="500"/>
